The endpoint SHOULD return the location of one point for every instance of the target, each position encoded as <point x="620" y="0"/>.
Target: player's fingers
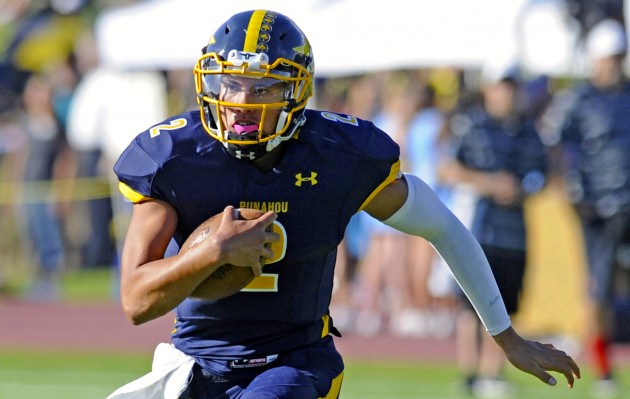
<point x="271" y="237"/>
<point x="229" y="213"/>
<point x="257" y="268"/>
<point x="267" y="252"/>
<point x="564" y="364"/>
<point x="568" y="366"/>
<point x="550" y="380"/>
<point x="570" y="378"/>
<point x="570" y="370"/>
<point x="267" y="219"/>
<point x="575" y="369"/>
<point x="539" y="372"/>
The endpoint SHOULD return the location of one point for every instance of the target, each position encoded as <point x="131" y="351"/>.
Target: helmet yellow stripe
<point x="253" y="31"/>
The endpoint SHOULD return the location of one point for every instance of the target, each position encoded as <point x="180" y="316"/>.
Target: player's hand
<point x="537" y="358"/>
<point x="505" y="188"/>
<point x="246" y="243"/>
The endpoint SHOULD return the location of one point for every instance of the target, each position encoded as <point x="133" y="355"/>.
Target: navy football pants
<point x="311" y="372"/>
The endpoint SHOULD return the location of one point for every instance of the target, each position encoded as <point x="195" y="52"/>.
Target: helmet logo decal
<point x="304" y="49"/>
<point x="246" y="56"/>
<point x="264" y="34"/>
<point x="261" y="47"/>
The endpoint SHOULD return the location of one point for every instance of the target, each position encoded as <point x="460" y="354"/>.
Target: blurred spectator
<point x="97" y="247"/>
<point x="45" y="145"/>
<point x="587" y="128"/>
<point x="179" y="84"/>
<point x="497" y="151"/>
<point x="12" y="145"/>
<point x="392" y="278"/>
<point x="589" y="13"/>
<point x="384" y="289"/>
<point x="110" y="106"/>
<point x="12" y="79"/>
<point x="431" y="312"/>
<point x="44" y="34"/>
<point x="358" y="96"/>
<point x="37" y="39"/>
<point x="371" y="293"/>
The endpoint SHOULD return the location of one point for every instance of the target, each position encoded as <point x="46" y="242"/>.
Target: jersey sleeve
<point x="382" y="156"/>
<point x="136" y="170"/>
<point x="141" y="164"/>
<point x="370" y="155"/>
<point x="394" y="173"/>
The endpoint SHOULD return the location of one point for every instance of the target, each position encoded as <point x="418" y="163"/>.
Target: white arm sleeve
<point x="423" y="214"/>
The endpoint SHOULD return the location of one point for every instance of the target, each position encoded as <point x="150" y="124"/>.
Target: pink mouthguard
<point x="240" y="129"/>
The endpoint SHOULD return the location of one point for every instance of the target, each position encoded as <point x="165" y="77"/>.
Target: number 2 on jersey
<point x="268" y="282"/>
<point x="175" y="124"/>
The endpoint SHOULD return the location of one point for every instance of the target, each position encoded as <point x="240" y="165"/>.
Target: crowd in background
<point x="64" y="119"/>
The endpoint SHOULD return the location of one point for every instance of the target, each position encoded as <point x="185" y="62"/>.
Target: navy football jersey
<point x="329" y="171"/>
<point x="481" y="142"/>
<point x="593" y="127"/>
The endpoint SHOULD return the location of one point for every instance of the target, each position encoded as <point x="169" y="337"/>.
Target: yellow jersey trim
<point x="131" y="194"/>
<point x="394" y="173"/>
<point x="326" y="329"/>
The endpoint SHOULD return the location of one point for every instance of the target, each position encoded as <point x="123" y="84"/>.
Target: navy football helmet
<point x="265" y="56"/>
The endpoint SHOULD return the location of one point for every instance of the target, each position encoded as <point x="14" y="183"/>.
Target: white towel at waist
<point x="169" y="377"/>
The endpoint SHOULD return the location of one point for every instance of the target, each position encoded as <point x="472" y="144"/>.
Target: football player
<point x="254" y="144"/>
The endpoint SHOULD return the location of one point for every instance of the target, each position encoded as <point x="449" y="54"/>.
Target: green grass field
<point x="72" y="375"/>
<point x="57" y="375"/>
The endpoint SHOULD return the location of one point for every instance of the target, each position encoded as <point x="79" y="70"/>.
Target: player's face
<point x="608" y="71"/>
<point x="267" y="92"/>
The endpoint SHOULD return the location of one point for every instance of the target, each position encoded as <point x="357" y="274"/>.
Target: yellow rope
<point x="52" y="191"/>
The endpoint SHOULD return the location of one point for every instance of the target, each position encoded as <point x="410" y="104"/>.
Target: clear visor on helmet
<point x="243" y="90"/>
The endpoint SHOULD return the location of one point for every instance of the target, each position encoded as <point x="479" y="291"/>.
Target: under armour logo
<point x="250" y="156"/>
<point x="310" y="179"/>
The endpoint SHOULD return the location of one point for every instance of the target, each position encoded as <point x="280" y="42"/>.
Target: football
<point x="226" y="280"/>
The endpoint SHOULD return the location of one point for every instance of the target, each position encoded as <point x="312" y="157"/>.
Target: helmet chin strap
<point x="255" y="151"/>
<point x="273" y="143"/>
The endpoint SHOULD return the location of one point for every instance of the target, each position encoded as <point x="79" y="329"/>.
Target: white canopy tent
<point x="352" y="36"/>
<point x="167" y="34"/>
